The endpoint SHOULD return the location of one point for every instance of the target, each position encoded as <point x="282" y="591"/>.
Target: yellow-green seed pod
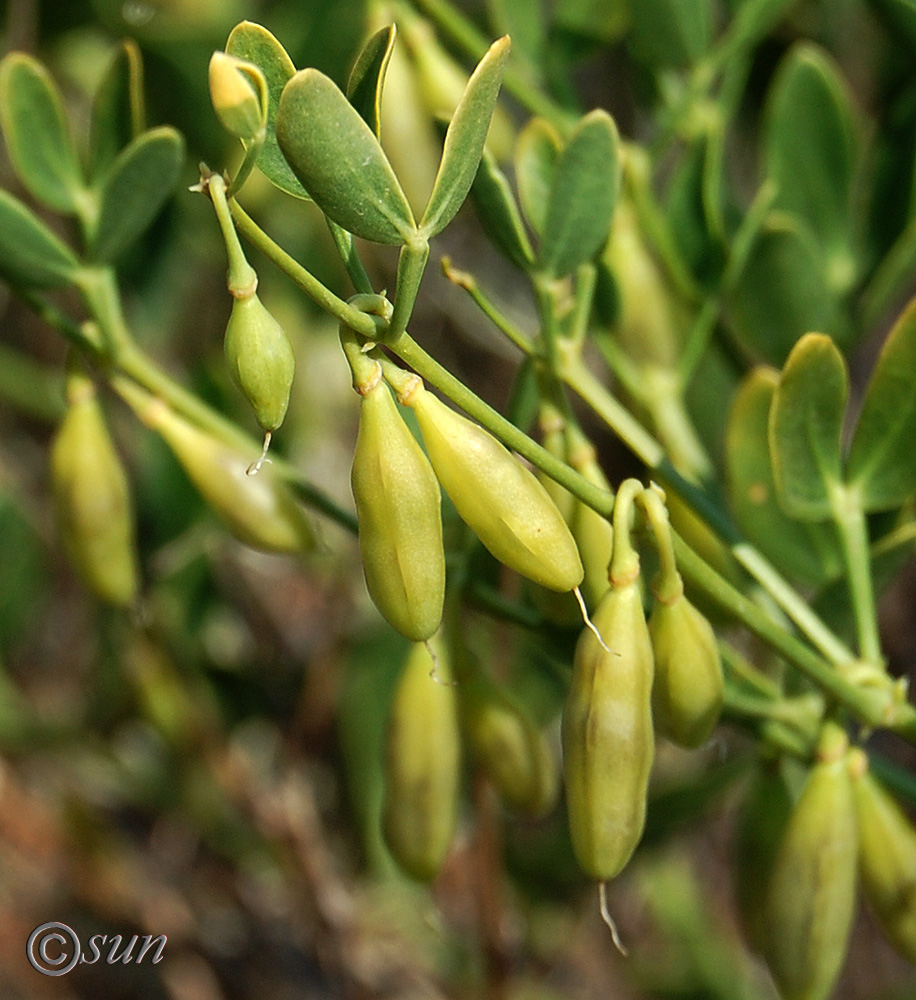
<point x="501" y="500"/>
<point x="592" y="531"/>
<point x="689" y="685"/>
<point x="422" y="765"/>
<point x="762" y="820"/>
<point x="234" y="98"/>
<point x="509" y="747"/>
<point x="261" y="360"/>
<point x="92" y="497"/>
<point x="608" y="743"/>
<point x="259" y="510"/>
<point x="400" y="521"/>
<point x="887" y="857"/>
<point x="810" y="898"/>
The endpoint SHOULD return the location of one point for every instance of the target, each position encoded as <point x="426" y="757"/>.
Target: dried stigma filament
<point x="497" y="497"/>
<point x="608" y="742"/>
<point x="422" y="764"/>
<point x="92" y="497"/>
<point x="398" y="505"/>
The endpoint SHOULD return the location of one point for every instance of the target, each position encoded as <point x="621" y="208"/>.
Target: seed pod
<point x="810" y="898"/>
<point x="512" y="751"/>
<point x="887" y="857"/>
<point x="259" y="510"/>
<point x="761" y="823"/>
<point x="233" y="96"/>
<point x="501" y="500"/>
<point x="592" y="531"/>
<point x="422" y="765"/>
<point x="92" y="497"/>
<point x="608" y="743"/>
<point x="400" y="522"/>
<point x="689" y="686"/>
<point x="260" y="359"/>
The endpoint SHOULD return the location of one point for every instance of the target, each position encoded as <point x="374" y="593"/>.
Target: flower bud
<point x="608" y="743"/>
<point x="234" y="98"/>
<point x="510" y="749"/>
<point x="260" y="359"/>
<point x="501" y="500"/>
<point x="689" y="685"/>
<point x="810" y="898"/>
<point x="887" y="857"/>
<point x="400" y="523"/>
<point x="259" y="510"/>
<point x="92" y="497"/>
<point x="422" y="765"/>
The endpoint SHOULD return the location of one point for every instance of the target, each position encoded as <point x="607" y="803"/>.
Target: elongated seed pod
<point x="608" y="744"/>
<point x="810" y="897"/>
<point x="422" y="765"/>
<point x="259" y="510"/>
<point x="592" y="531"/>
<point x="509" y="747"/>
<point x="260" y="359"/>
<point x="887" y="857"/>
<point x="92" y="497"/>
<point x="501" y="500"/>
<point x="400" y="521"/>
<point x="689" y="685"/>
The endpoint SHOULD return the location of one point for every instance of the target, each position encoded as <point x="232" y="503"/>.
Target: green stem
<point x="740" y="667"/>
<point x="346" y="247"/>
<point x="411" y="265"/>
<point x="586" y="280"/>
<point x="243" y="279"/>
<point x="363" y="323"/>
<point x="99" y="288"/>
<point x="667" y="585"/>
<point x="467" y="281"/>
<point x="852" y="529"/>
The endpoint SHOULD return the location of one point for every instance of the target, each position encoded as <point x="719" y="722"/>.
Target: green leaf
<point x="806" y="552"/>
<point x="367" y="80"/>
<point x="139" y="183"/>
<point x="37" y="135"/>
<point x="339" y="161"/>
<point x="806" y="426"/>
<point x="117" y="109"/>
<point x="251" y="42"/>
<point x="881" y="459"/>
<point x="30" y="254"/>
<point x="782" y="292"/>
<point x="671" y="32"/>
<point x="464" y="140"/>
<point x="536" y="154"/>
<point x="812" y="148"/>
<point x="583" y="194"/>
<point x="499" y="214"/>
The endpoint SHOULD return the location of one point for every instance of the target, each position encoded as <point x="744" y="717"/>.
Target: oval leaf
<point x="117" y="109"/>
<point x="806" y="552"/>
<point x="139" y="183"/>
<point x="782" y="292"/>
<point x="806" y="426"/>
<point x="37" y="135"/>
<point x="464" y="140"/>
<point x="582" y="196"/>
<point x="339" y="161"/>
<point x="30" y="254"/>
<point x="536" y="154"/>
<point x="812" y="145"/>
<point x="499" y="214"/>
<point x="367" y="79"/>
<point x="254" y="44"/>
<point x="881" y="461"/>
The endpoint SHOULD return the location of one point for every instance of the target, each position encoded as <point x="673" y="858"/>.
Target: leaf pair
<point x="804" y="260"/>
<point x="115" y="197"/>
<point x="568" y="193"/>
<point x="806" y="427"/>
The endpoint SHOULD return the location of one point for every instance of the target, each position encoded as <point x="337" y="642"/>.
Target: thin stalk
<point x="467" y="281"/>
<point x="361" y="322"/>
<point x="100" y="292"/>
<point x="849" y="517"/>
<point x="346" y="247"/>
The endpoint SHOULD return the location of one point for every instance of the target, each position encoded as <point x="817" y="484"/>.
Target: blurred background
<point x="208" y="767"/>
